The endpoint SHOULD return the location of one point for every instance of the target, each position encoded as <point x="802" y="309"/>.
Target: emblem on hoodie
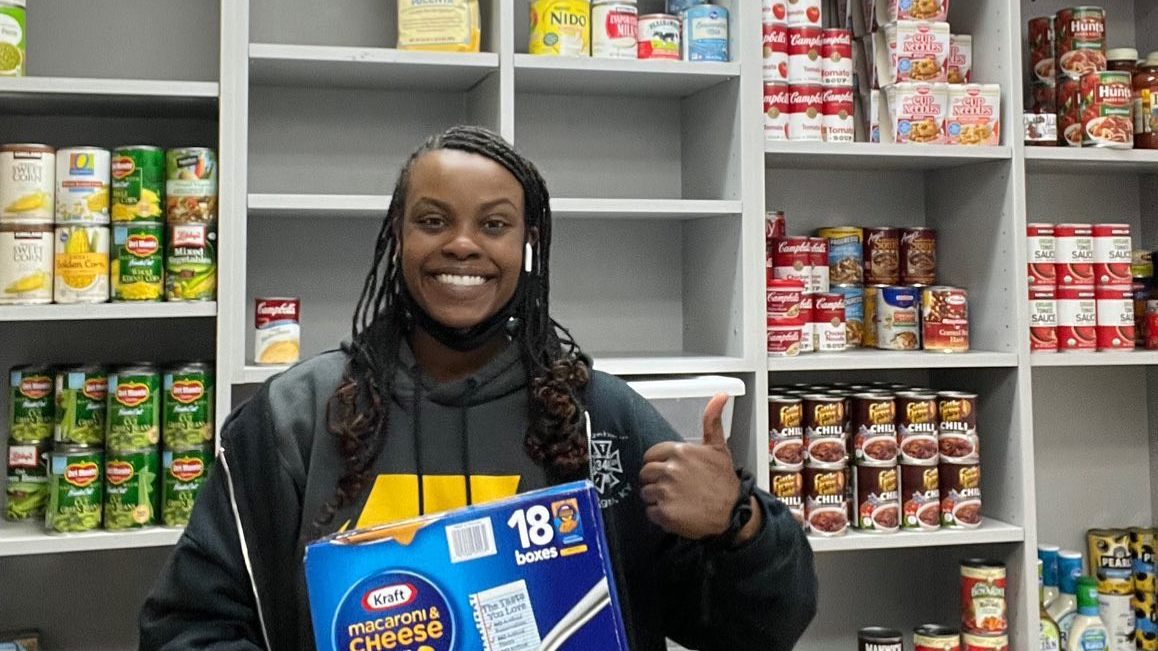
<point x="607" y="468"/>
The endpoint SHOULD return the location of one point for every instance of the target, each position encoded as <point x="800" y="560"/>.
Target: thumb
<point x="713" y="423"/>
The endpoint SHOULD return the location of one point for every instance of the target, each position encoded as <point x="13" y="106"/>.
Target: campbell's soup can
<point x="1107" y="106"/>
<point x="790" y="259"/>
<point x="836" y="58"/>
<point x="805" y="112"/>
<point x="1042" y="251"/>
<point x="774" y="11"/>
<point x="783" y="340"/>
<point x="808" y="327"/>
<point x="1115" y="317"/>
<point x="776" y="110"/>
<point x="804" y="12"/>
<point x="1069" y="111"/>
<point x="829" y="327"/>
<point x="776" y="52"/>
<point x="658" y="37"/>
<point x="278" y="330"/>
<point x="1112" y="254"/>
<point x="804" y="59"/>
<point x="1077" y="318"/>
<point x="854" y="313"/>
<point x="1075" y="254"/>
<point x="838" y="124"/>
<point x="1080" y="41"/>
<point x="1043" y="319"/>
<point x="775" y="225"/>
<point x="614" y="29"/>
<point x="783" y="299"/>
<point x="818" y="258"/>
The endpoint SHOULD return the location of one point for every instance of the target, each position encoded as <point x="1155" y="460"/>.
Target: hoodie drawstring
<point x="471" y="387"/>
<point x="416" y="432"/>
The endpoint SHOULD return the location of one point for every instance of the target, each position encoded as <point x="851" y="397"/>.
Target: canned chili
<point x="920" y="496"/>
<point x="917" y="434"/>
<point x="1077" y="318"/>
<point x="1113" y="254"/>
<point x="826" y="499"/>
<point x="1042" y="254"/>
<point x="1075" y="254"/>
<point x="1115" y="317"/>
<point x="1042" y="319"/>
<point x="960" y="495"/>
<point x="824" y="428"/>
<point x="882" y="255"/>
<point x="878" y="505"/>
<point x="874" y="427"/>
<point x="785" y="432"/>
<point x="956" y="411"/>
<point x="787" y="486"/>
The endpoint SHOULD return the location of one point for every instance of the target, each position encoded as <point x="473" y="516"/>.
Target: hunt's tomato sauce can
<point x="1107" y="106"/>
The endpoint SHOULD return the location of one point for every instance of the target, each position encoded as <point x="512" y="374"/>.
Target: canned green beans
<point x="27" y="487"/>
<point x="12" y="32"/>
<point x="131" y="494"/>
<point x="134" y="418"/>
<point x="188" y="406"/>
<point x="30" y="404"/>
<point x="80" y="405"/>
<point x="137" y="267"/>
<point x="191" y="185"/>
<point x="183" y="472"/>
<point x="75" y="489"/>
<point x="138" y="184"/>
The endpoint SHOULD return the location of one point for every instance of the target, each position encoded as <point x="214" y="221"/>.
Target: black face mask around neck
<point x="468" y="339"/>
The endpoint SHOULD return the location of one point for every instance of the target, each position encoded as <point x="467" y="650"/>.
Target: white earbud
<point x="527" y="255"/>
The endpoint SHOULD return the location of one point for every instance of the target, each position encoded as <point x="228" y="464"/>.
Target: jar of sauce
<point x="1145" y="109"/>
<point x="1122" y="59"/>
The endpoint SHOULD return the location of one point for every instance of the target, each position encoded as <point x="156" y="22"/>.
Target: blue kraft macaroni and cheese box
<point x="530" y="573"/>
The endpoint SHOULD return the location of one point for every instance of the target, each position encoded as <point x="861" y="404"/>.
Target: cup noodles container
<point x="828" y="322"/>
<point x="791" y="259"/>
<point x="845" y="253"/>
<point x="882" y="255"/>
<point x="854" y="316"/>
<point x="804" y="12"/>
<point x="959" y="63"/>
<point x="1075" y="254"/>
<point x="874" y="428"/>
<point x="945" y="319"/>
<point x="1115" y="307"/>
<point x="1112" y="254"/>
<point x="839" y="124"/>
<point x="890" y="11"/>
<point x="1080" y="41"/>
<point x="917" y="111"/>
<point x="960" y="495"/>
<point x="775" y="52"/>
<point x="783" y="340"/>
<point x="1041" y="49"/>
<point x="878" y="498"/>
<point x="1107" y="105"/>
<point x="804" y="60"/>
<point x="532" y="567"/>
<point x="278" y="330"/>
<point x="805" y="112"/>
<point x="1043" y="319"/>
<point x="974" y="115"/>
<point x="658" y="37"/>
<point x="913" y="51"/>
<point x="1069" y="112"/>
<point x="818" y="258"/>
<point x="1042" y="254"/>
<point x="918" y="256"/>
<point x="836" y="58"/>
<point x="783" y="299"/>
<point x="787" y="485"/>
<point x="920" y="496"/>
<point x="1077" y="318"/>
<point x="776" y="110"/>
<point x="775" y="11"/>
<point x="807" y="327"/>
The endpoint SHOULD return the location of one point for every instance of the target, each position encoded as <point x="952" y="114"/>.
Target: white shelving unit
<point x="103" y="311"/>
<point x="991" y="531"/>
<point x="27" y="539"/>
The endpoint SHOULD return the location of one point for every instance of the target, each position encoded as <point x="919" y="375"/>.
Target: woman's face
<point x="462" y="236"/>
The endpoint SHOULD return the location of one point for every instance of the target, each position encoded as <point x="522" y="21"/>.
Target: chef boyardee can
<point x="26" y="490"/>
<point x="187" y="399"/>
<point x="182" y="474"/>
<point x="30" y="404"/>
<point x="134" y="414"/>
<point x="131" y="488"/>
<point x="80" y="405"/>
<point x="76" y="486"/>
<point x="137" y="268"/>
<point x="137" y="184"/>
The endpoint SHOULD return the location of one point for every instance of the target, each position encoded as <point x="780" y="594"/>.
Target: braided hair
<point x="358" y="412"/>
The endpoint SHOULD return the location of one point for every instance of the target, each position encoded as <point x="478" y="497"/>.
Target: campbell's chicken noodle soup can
<point x="818" y="259"/>
<point x="1043" y="319"/>
<point x="945" y="319"/>
<point x="1069" y="111"/>
<point x="776" y="52"/>
<point x="1041" y="49"/>
<point x="790" y="259"/>
<point x="826" y="502"/>
<point x="839" y="124"/>
<point x="775" y="225"/>
<point x="777" y="107"/>
<point x="1042" y="250"/>
<point x="983" y="608"/>
<point x="1107" y="106"/>
<point x="658" y="37"/>
<point x="874" y="428"/>
<point x="918" y="256"/>
<point x="808" y="325"/>
<point x="784" y="296"/>
<point x="783" y="340"/>
<point x="829" y="327"/>
<point x="824" y="428"/>
<point x="956" y="411"/>
<point x="878" y="498"/>
<point x="932" y="637"/>
<point x="788" y="487"/>
<point x="805" y="67"/>
<point x="1115" y="317"/>
<point x="1112" y="254"/>
<point x="1077" y="318"/>
<point x="854" y="313"/>
<point x="920" y="496"/>
<point x="836" y="58"/>
<point x="1080" y="41"/>
<point x="804" y="13"/>
<point x="1075" y="254"/>
<point x="845" y="253"/>
<point x="805" y="112"/>
<point x="882" y="255"/>
<point x="278" y="330"/>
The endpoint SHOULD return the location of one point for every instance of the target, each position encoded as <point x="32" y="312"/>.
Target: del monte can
<point x="80" y="405"/>
<point x="76" y="488"/>
<point x="30" y="404"/>
<point x="188" y="406"/>
<point x="183" y="472"/>
<point x="137" y="184"/>
<point x="134" y="418"/>
<point x="131" y="490"/>
<point x="137" y="267"/>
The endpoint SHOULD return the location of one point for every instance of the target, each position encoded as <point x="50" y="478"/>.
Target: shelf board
<point x="1074" y="160"/>
<point x="889" y="359"/>
<point x="619" y="77"/>
<point x="371" y="206"/>
<point x="107" y="97"/>
<point x="876" y="156"/>
<point x="27" y="538"/>
<point x="313" y="66"/>
<point x="990" y="531"/>
<point x="123" y="311"/>
<point x="1118" y="358"/>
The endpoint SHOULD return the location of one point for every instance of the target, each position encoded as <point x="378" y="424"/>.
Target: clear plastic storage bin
<point x="681" y="401"/>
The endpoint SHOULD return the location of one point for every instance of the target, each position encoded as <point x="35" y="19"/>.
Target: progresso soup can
<point x="76" y="489"/>
<point x="845" y="254"/>
<point x="705" y="33"/>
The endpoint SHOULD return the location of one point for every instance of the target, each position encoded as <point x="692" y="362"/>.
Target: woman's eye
<point x="495" y="224"/>
<point x="431" y="221"/>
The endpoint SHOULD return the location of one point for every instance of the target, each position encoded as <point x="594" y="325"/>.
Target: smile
<point x="460" y="281"/>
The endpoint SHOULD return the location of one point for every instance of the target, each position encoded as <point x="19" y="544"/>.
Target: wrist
<point x="749" y="530"/>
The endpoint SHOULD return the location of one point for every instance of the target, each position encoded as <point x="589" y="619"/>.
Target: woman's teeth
<point x="462" y="281"/>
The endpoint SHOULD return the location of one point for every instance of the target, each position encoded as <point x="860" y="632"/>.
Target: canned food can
<point x="791" y="259"/>
<point x="933" y="637"/>
<point x="676" y="7"/>
<point x="854" y="308"/>
<point x="1043" y="319"/>
<point x="705" y="33"/>
<point x="191" y="185"/>
<point x="659" y="37"/>
<point x="183" y="471"/>
<point x="1075" y="254"/>
<point x="26" y="263"/>
<point x="26" y="489"/>
<point x="1110" y="561"/>
<point x="1115" y="317"/>
<point x="191" y="262"/>
<point x="31" y="410"/>
<point x="808" y="323"/>
<point x="959" y="446"/>
<point x="920" y="497"/>
<point x="945" y="319"/>
<point x="983" y="608"/>
<point x="787" y="485"/>
<point x="75" y="489"/>
<point x="1042" y="255"/>
<point x="826" y="499"/>
<point x="137" y="267"/>
<point x="818" y="260"/>
<point x="138" y="184"/>
<point x="919" y="256"/>
<point x="80" y="395"/>
<point x="1142" y="542"/>
<point x="131" y="489"/>
<point x="871" y="292"/>
<point x="82" y="185"/>
<point x="956" y="412"/>
<point x="898" y="318"/>
<point x="81" y="262"/>
<point x="278" y="330"/>
<point x="805" y="112"/>
<point x="775" y="226"/>
<point x="836" y="58"/>
<point x="134" y="411"/>
<point x="839" y="111"/>
<point x="774" y="11"/>
<point x="845" y="253"/>
<point x="1041" y="49"/>
<point x="1080" y="41"/>
<point x="878" y="502"/>
<point x="783" y="300"/>
<point x="829" y="326"/>
<point x="824" y="429"/>
<point x="1151" y="325"/>
<point x="882" y="255"/>
<point x="1107" y="105"/>
<point x="12" y="38"/>
<point x="876" y="638"/>
<point x="1069" y="111"/>
<point x="1077" y="318"/>
<point x="775" y="52"/>
<point x="786" y="432"/>
<point x="959" y="64"/>
<point x="804" y="12"/>
<point x="614" y="29"/>
<point x="187" y="405"/>
<point x="776" y="110"/>
<point x="27" y="177"/>
<point x="805" y="67"/>
<point x="961" y="497"/>
<point x="874" y="427"/>
<point x="972" y="642"/>
<point x="1113" y="254"/>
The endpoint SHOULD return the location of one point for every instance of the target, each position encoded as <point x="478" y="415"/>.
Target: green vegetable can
<point x="134" y="408"/>
<point x="138" y="184"/>
<point x="188" y="406"/>
<point x="131" y="495"/>
<point x="81" y="392"/>
<point x="27" y="487"/>
<point x="137" y="267"/>
<point x="31" y="406"/>
<point x="183" y="472"/>
<point x="191" y="262"/>
<point x="12" y="32"/>
<point x="75" y="489"/>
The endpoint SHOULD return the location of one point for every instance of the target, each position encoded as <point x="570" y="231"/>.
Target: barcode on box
<point x="471" y="540"/>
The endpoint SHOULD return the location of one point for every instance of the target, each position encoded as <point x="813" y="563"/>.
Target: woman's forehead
<point x="450" y="171"/>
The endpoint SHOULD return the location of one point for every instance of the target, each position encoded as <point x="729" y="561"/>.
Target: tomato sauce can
<point x="836" y="58"/>
<point x="1107" y="106"/>
<point x="918" y="256"/>
<point x="1042" y="250"/>
<point x="805" y="67"/>
<point x="854" y="312"/>
<point x="788" y="487"/>
<point x="1069" y="111"/>
<point x="1041" y="49"/>
<point x="790" y="259"/>
<point x="824" y="428"/>
<point x="783" y="299"/>
<point x="775" y="52"/>
<point x="983" y="607"/>
<point x="808" y="327"/>
<point x="882" y="255"/>
<point x="878" y="503"/>
<point x="776" y="110"/>
<point x="960" y="495"/>
<point x="1080" y="41"/>
<point x="1077" y="318"/>
<point x="1075" y="254"/>
<point x="828" y="321"/>
<point x="805" y="112"/>
<point x="658" y="37"/>
<point x="826" y="499"/>
<point x="1112" y="254"/>
<point x="932" y="637"/>
<point x="874" y="427"/>
<point x="845" y="253"/>
<point x="920" y="496"/>
<point x="818" y="259"/>
<point x="1043" y="319"/>
<point x="277" y="323"/>
<point x="1115" y="314"/>
<point x="838" y="124"/>
<point x="945" y="319"/>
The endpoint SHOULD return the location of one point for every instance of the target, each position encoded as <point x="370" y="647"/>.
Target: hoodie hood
<point x="500" y="377"/>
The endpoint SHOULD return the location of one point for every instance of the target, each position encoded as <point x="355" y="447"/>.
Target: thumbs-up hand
<point x="690" y="489"/>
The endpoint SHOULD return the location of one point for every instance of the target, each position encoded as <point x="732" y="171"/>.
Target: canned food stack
<point x="1144" y="600"/>
<point x="27" y="204"/>
<point x="191" y="218"/>
<point x="1111" y="563"/>
<point x="137" y="265"/>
